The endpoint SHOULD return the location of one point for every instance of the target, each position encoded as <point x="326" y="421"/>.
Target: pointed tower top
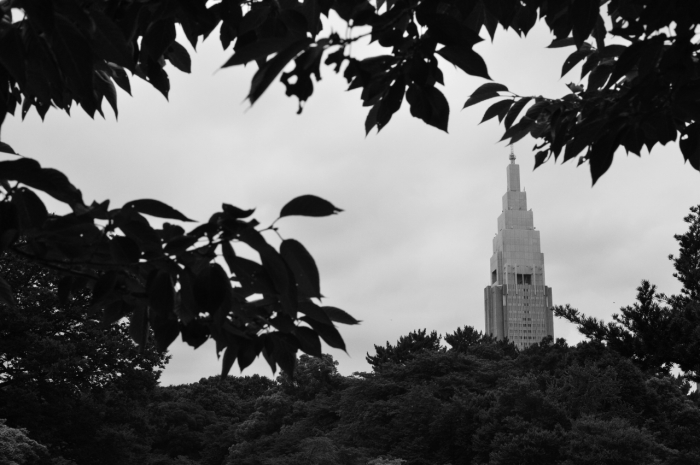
<point x="513" y="173"/>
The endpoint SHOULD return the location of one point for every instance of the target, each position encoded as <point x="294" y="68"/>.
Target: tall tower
<point x="518" y="302"/>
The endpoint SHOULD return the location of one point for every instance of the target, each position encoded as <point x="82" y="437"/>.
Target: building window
<point x="494" y="276"/>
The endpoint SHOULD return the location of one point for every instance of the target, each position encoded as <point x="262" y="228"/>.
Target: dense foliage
<point x="640" y="58"/>
<point x="75" y="384"/>
<point x="483" y="403"/>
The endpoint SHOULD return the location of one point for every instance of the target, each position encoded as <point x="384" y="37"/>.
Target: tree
<point x="72" y="383"/>
<point x="657" y="332"/>
<point x="406" y="348"/>
<point x="17" y="448"/>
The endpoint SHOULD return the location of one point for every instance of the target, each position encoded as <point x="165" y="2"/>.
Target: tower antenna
<point x="512" y="155"/>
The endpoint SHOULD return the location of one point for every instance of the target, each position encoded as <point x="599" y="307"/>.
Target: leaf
<point x="236" y="213"/>
<point x="474" y="99"/>
<point x="626" y="61"/>
<point x="515" y="111"/>
<point x="275" y="267"/>
<point x="309" y="205"/>
<point x="120" y="77"/>
<point x="269" y="71"/>
<point x="340" y="316"/>
<point x="315" y="312"/>
<point x="159" y="36"/>
<point x="6" y="148"/>
<point x="690" y="146"/>
<point x="390" y="104"/>
<point x="40" y="14"/>
<point x="180" y="244"/>
<point x="518" y="130"/>
<point x="540" y="157"/>
<point x="599" y="76"/>
<point x="109" y="41"/>
<point x="105" y="87"/>
<point x="449" y="30"/>
<point x="466" y="59"/>
<point x="327" y="332"/>
<point x="229" y="357"/>
<point x="12" y="54"/>
<point x="142" y="233"/>
<point x="255" y="17"/>
<point x="591" y="62"/>
<point x="158" y="78"/>
<point x="247" y="352"/>
<point x="585" y="135"/>
<point x="574" y="59"/>
<point x="440" y="113"/>
<point x="155" y="208"/>
<point x="74" y="57"/>
<point x="161" y="294"/>
<point x="600" y="156"/>
<point x="308" y="341"/>
<point x="497" y="109"/>
<point x="210" y="287"/>
<point x="303" y="266"/>
<point x="583" y="16"/>
<point x="53" y="182"/>
<point x="138" y="326"/>
<point x="6" y="295"/>
<point x="557" y="43"/>
<point x="194" y="334"/>
<point x="178" y="56"/>
<point x="124" y="250"/>
<point x="371" y="120"/>
<point x="260" y="49"/>
<point x="30" y="209"/>
<point x="285" y="349"/>
<point x="165" y="331"/>
<point x="229" y="255"/>
<point x="489" y="88"/>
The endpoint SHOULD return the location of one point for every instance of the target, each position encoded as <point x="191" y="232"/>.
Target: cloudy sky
<point x="412" y="248"/>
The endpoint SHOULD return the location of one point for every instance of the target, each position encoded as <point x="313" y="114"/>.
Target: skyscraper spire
<point x="518" y="301"/>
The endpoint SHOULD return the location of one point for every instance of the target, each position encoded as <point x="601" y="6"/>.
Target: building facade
<point x="517" y="302"/>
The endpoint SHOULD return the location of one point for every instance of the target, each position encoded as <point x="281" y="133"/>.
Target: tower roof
<point x="513" y="171"/>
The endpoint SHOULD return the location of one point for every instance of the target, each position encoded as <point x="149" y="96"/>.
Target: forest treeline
<point x="77" y="391"/>
<point x="478" y="401"/>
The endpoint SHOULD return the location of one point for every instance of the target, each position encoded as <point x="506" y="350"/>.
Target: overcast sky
<point x="412" y="248"/>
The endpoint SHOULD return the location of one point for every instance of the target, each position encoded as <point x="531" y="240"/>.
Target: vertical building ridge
<point x="517" y="302"/>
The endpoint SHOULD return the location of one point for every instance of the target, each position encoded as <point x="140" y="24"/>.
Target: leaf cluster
<point x="639" y="58"/>
<point x="168" y="279"/>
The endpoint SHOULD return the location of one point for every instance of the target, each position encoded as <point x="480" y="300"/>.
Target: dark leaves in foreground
<point x="167" y="279"/>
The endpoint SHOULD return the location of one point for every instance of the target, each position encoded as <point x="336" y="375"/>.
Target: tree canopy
<point x="639" y="58"/>
<point x="484" y="403"/>
<point x="658" y="332"/>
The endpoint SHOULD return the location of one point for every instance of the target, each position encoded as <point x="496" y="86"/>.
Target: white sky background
<point x="412" y="248"/>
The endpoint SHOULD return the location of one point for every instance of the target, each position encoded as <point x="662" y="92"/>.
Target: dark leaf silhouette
<point x="155" y="208"/>
<point x="309" y="205"/>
